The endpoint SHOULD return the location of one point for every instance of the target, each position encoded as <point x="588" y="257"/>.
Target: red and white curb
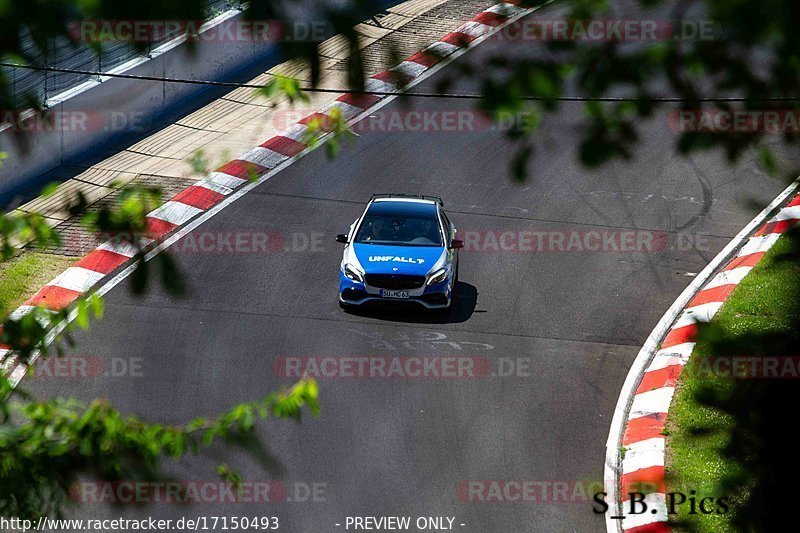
<point x="208" y="196"/>
<point x="644" y="403"/>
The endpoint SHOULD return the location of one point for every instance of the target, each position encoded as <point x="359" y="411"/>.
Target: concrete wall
<point x="100" y="112"/>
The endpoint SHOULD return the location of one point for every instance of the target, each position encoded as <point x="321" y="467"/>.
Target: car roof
<point x="402" y="207"/>
<point x="404" y="199"/>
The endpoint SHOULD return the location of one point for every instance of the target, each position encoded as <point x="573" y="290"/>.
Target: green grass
<point x="714" y="446"/>
<point x="22" y="276"/>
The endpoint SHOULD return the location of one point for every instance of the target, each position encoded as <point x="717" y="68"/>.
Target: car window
<point x="398" y="230"/>
<point x="448" y="225"/>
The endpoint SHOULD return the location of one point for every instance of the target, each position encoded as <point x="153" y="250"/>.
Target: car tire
<point x="454" y="292"/>
<point x="440" y="311"/>
<point x="446" y="310"/>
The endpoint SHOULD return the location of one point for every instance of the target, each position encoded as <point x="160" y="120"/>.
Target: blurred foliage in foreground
<point x="47" y="446"/>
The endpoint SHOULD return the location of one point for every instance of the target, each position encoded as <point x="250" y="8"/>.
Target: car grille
<point x="354" y="294"/>
<point x="395" y="281"/>
<point x="435" y="298"/>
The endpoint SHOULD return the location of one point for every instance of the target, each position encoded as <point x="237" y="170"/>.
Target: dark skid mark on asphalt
<point x="708" y="195"/>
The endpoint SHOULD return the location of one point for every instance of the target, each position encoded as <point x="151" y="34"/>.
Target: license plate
<point x="394" y="294"/>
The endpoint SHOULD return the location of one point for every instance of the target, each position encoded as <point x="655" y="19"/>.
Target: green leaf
<point x="96" y="303"/>
<point x="768" y="161"/>
<point x="199" y="162"/>
<point x="82" y="315"/>
<point x="50" y="189"/>
<point x="139" y="275"/>
<point x="519" y="163"/>
<point x="171" y="278"/>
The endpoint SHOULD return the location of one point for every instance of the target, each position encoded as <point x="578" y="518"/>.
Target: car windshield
<point x="399" y="230"/>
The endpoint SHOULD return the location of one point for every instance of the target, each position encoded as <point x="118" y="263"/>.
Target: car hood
<point x="413" y="260"/>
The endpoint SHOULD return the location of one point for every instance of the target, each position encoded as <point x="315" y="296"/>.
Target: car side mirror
<point x="342" y="238"/>
<point x="456" y="244"/>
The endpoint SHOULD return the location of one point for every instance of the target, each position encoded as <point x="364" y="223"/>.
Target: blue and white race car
<point x="401" y="249"/>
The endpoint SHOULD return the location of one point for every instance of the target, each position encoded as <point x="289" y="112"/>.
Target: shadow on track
<point x="466" y="298"/>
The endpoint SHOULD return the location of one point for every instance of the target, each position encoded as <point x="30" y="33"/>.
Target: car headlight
<point x="353" y="273"/>
<point x="438" y="276"/>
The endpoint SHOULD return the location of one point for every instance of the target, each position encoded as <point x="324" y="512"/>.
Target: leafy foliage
<point x="284" y="86"/>
<point x="52" y="444"/>
<point x="20" y="227"/>
<point x="32" y="332"/>
<point x="753" y="53"/>
<point x="331" y="127"/>
<point x="46" y="446"/>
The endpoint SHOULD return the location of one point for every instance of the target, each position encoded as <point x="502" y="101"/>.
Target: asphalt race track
<point x="565" y="325"/>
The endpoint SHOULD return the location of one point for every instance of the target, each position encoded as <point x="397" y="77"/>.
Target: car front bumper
<point x="356" y="293"/>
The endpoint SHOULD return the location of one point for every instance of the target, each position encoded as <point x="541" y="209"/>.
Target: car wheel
<point x="440" y="311"/>
<point x="446" y="310"/>
<point x="454" y="290"/>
